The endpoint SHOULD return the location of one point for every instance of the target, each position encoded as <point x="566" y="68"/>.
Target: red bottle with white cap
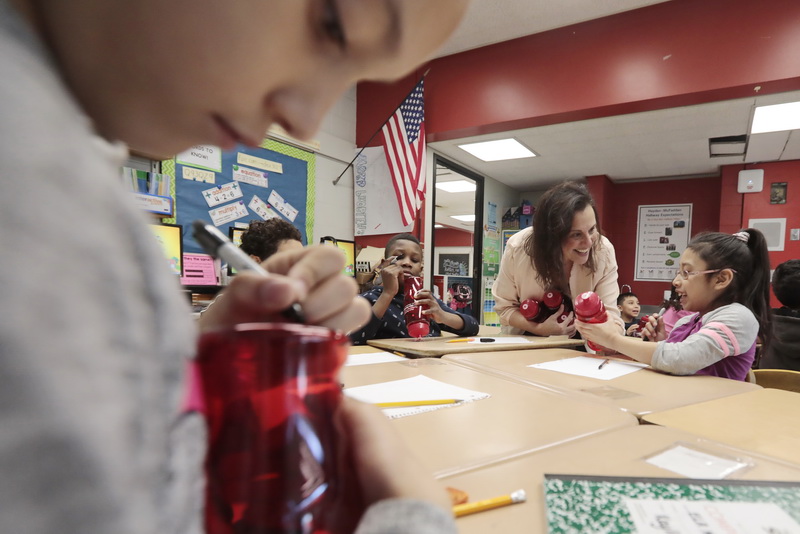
<point x="533" y="310"/>
<point x="590" y="309"/>
<point x="416" y="322"/>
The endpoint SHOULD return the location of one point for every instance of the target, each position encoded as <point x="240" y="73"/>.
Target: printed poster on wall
<point x="662" y="234"/>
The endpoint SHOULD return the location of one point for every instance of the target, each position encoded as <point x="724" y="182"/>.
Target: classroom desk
<point x="362" y="349"/>
<point x="766" y="421"/>
<point x="432" y="347"/>
<point x="618" y="453"/>
<point x="639" y="393"/>
<point x="514" y="420"/>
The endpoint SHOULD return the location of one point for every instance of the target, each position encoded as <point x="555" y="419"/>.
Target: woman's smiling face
<point x="577" y="246"/>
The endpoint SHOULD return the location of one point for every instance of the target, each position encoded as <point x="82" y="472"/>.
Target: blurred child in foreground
<point x="96" y="334"/>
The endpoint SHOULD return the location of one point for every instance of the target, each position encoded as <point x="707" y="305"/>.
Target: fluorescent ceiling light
<point x="438" y="226"/>
<point x="776" y="118"/>
<point x="498" y="150"/>
<point x="456" y="186"/>
<point x="465" y="218"/>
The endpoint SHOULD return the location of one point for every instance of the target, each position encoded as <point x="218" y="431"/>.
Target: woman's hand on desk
<point x="311" y="276"/>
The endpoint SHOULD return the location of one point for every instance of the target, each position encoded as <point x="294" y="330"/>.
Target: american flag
<point x="404" y="145"/>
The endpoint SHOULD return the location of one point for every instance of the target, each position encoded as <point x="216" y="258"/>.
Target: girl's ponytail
<point x="755" y="293"/>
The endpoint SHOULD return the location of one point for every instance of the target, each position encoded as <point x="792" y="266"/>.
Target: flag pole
<point x="336" y="181"/>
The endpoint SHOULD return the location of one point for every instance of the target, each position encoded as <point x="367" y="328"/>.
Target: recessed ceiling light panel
<point x="498" y="150"/>
<point x="465" y="218"/>
<point x="456" y="186"/>
<point x="776" y="118"/>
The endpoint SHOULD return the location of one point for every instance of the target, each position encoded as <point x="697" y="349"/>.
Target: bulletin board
<point x="241" y="185"/>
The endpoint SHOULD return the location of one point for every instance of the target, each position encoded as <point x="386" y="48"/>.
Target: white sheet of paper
<point x="373" y="357"/>
<point x="585" y="366"/>
<point x="653" y="516"/>
<point x="695" y="464"/>
<point x="419" y="387"/>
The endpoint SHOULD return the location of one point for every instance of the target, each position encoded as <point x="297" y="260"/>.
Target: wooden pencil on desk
<point x="489" y="504"/>
<point x="407" y="404"/>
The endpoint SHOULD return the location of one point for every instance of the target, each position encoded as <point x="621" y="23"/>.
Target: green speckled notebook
<point x="619" y="505"/>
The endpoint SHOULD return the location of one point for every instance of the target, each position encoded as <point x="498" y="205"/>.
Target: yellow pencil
<point x="489" y="504"/>
<point x="406" y="404"/>
<point x="459" y="340"/>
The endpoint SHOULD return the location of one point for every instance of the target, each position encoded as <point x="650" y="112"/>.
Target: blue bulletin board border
<point x="307" y="186"/>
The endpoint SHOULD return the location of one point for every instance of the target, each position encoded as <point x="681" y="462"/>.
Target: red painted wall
<point x="618" y="204"/>
<point x="757" y="206"/>
<point x="671" y="54"/>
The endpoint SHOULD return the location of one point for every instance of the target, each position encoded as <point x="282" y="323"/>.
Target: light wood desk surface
<point x="639" y="393"/>
<point x="432" y="347"/>
<point x="514" y="420"/>
<point x="766" y="421"/>
<point x="362" y="349"/>
<point x="618" y="453"/>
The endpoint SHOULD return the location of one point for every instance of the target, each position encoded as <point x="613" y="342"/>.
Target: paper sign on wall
<point x="663" y="232"/>
<point x="203" y="156"/>
<point x="250" y="176"/>
<point x="222" y="193"/>
<point x="263" y="209"/>
<point x="198" y="270"/>
<point x="198" y="175"/>
<point x="228" y="213"/>
<point x="259" y="163"/>
<point x="282" y="206"/>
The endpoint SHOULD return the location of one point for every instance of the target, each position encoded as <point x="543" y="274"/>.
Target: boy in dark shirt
<point x="783" y="351"/>
<point x="404" y="258"/>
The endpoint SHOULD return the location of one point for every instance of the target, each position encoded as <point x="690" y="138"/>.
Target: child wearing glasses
<point x="724" y="279"/>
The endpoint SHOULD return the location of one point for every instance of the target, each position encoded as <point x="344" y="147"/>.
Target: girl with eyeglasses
<point x="724" y="279"/>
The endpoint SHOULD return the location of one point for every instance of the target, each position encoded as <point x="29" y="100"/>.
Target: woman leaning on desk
<point x="563" y="251"/>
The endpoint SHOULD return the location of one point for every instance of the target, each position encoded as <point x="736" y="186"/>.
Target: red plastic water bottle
<point x="589" y="309"/>
<point x="553" y="300"/>
<point x="416" y="322"/>
<point x="533" y="310"/>
<point x="642" y="322"/>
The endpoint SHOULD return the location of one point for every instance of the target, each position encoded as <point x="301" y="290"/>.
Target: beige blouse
<point x="517" y="280"/>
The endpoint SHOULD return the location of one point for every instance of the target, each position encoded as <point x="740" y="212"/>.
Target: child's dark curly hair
<point x="263" y="238"/>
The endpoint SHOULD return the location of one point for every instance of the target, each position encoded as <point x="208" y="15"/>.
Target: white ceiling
<point x="671" y="143"/>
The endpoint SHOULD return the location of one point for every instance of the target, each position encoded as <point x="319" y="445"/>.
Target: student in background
<point x="628" y="305"/>
<point x="95" y="332"/>
<point x="403" y="257"/>
<point x="672" y="311"/>
<point x="724" y="279"/>
<point x="262" y="239"/>
<point x="783" y="351"/>
<point x="563" y="251"/>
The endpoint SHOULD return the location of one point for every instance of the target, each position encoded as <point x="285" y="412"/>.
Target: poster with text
<point x="662" y="234"/>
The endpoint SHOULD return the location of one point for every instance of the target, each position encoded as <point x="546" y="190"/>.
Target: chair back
<point x="778" y="379"/>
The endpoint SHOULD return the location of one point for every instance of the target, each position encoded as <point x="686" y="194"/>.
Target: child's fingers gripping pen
<point x="219" y="246"/>
<point x="658" y="315"/>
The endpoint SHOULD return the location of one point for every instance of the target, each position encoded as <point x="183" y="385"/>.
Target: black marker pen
<point x="219" y="246"/>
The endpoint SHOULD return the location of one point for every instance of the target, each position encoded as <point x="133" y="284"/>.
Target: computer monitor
<point x="171" y="238"/>
<point x="235" y="235"/>
<point x="349" y="249"/>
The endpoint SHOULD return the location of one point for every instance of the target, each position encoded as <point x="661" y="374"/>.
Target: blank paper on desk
<point x="585" y="366"/>
<point x="417" y="388"/>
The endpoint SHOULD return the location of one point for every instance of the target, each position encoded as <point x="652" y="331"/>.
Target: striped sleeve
<point x="726" y="331"/>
